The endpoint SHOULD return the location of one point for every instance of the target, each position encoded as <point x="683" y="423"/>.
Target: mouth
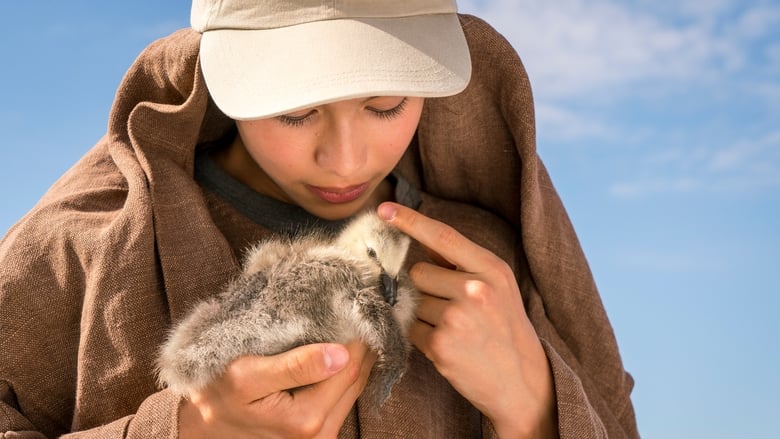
<point x="339" y="195"/>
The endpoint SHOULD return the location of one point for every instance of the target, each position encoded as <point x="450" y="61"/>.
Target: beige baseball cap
<point x="262" y="58"/>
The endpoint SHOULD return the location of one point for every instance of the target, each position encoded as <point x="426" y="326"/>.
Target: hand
<point x="251" y="399"/>
<point x="471" y="324"/>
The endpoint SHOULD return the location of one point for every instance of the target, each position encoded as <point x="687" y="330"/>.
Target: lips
<point x="339" y="195"/>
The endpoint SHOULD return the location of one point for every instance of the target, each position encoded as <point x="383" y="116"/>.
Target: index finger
<point x="441" y="238"/>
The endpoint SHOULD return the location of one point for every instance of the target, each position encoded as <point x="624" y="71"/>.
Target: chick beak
<point x="389" y="288"/>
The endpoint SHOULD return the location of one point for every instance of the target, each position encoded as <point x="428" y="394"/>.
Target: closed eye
<point x="300" y="119"/>
<point x="391" y="112"/>
<point x="295" y="120"/>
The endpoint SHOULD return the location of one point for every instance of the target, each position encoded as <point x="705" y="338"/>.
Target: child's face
<point x="331" y="159"/>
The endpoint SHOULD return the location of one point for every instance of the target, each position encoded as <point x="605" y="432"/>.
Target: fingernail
<point x="336" y="357"/>
<point x="387" y="211"/>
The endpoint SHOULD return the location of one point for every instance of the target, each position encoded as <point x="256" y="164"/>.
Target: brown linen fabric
<point x="125" y="242"/>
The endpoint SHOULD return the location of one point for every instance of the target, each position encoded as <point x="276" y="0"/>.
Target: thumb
<point x="308" y="364"/>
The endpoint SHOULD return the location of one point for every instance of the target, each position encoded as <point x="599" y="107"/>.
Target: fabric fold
<point x="126" y="242"/>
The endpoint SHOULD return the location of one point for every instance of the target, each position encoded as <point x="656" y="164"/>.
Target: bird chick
<point x="308" y="289"/>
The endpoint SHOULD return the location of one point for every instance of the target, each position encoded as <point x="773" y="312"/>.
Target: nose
<point x="342" y="149"/>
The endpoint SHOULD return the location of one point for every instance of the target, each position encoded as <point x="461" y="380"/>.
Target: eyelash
<point x="298" y="121"/>
<point x="293" y="121"/>
<point x="392" y="112"/>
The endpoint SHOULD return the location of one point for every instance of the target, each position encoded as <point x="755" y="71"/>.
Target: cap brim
<point x="253" y="74"/>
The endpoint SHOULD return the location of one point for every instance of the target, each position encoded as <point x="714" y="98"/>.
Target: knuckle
<point x="353" y="373"/>
<point x="452" y="318"/>
<point x="410" y="220"/>
<point x="505" y="268"/>
<point x="310" y="426"/>
<point x="439" y="347"/>
<point x="298" y="370"/>
<point x="417" y="271"/>
<point x="235" y="373"/>
<point x="502" y="271"/>
<point x="448" y="236"/>
<point x="478" y="293"/>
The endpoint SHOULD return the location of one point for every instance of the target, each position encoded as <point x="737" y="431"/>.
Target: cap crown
<point x="270" y="14"/>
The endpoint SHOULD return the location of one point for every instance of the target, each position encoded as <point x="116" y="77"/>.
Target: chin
<point x="336" y="212"/>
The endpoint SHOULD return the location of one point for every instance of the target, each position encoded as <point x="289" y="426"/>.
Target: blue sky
<point x="658" y="120"/>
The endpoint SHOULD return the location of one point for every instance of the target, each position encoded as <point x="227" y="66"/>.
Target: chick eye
<point x="371" y="253"/>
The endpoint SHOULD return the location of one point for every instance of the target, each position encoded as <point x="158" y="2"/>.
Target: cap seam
<point x="214" y="10"/>
<point x="333" y="17"/>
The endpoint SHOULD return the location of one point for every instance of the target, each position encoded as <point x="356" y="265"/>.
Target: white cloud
<point x="772" y="54"/>
<point x="656" y="185"/>
<point x="753" y="154"/>
<point x="745" y="165"/>
<point x="562" y="123"/>
<point x="768" y="91"/>
<point x="757" y="22"/>
<point x="699" y="9"/>
<point x="678" y="259"/>
<point x="597" y="49"/>
<point x="577" y="47"/>
<point x="590" y="61"/>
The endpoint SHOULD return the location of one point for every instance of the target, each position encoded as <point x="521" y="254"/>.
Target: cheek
<point x="398" y="137"/>
<point x="393" y="149"/>
<point x="271" y="149"/>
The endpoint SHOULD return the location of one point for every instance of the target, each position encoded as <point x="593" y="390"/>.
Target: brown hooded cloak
<point x="126" y="242"/>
